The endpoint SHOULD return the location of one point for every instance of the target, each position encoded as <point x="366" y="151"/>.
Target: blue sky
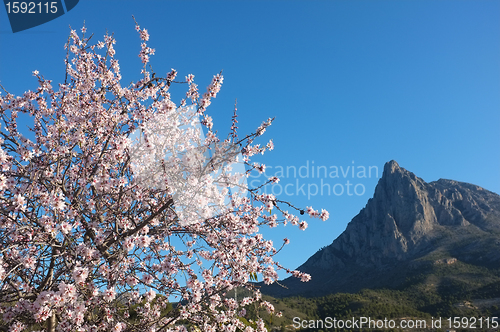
<point x="351" y="83"/>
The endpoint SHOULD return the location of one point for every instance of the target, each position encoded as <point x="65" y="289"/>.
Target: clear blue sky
<point x="349" y="82"/>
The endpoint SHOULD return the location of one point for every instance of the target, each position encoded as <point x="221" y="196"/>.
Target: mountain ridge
<point x="406" y="227"/>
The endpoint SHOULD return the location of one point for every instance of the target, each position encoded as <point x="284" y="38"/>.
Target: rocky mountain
<point x="408" y="228"/>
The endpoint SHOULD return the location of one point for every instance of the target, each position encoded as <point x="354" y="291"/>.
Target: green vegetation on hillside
<point x="440" y="290"/>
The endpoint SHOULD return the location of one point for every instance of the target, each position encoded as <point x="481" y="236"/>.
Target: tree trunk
<point x="51" y="323"/>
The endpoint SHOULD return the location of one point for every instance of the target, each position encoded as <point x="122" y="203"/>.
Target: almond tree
<point x="115" y="203"/>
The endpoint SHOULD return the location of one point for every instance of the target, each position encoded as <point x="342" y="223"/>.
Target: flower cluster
<point x="87" y="244"/>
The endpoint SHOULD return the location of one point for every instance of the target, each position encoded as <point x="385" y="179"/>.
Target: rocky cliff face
<point x="405" y="224"/>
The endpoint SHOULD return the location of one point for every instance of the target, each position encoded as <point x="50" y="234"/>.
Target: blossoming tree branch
<point x="115" y="201"/>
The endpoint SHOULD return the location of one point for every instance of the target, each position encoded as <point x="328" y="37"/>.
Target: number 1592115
<point x="16" y="7"/>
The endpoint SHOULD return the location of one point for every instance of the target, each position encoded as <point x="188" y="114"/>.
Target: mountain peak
<point x="396" y="186"/>
<point x="391" y="167"/>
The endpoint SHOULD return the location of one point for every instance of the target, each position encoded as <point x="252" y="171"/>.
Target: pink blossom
<point x="109" y="294"/>
<point x="2" y="271"/>
<point x="303" y="225"/>
<point x="128" y="244"/>
<point x="19" y="202"/>
<point x="144" y="35"/>
<point x="17" y="327"/>
<point x="324" y="215"/>
<point x="305" y="277"/>
<point x="119" y="327"/>
<point x="131" y="280"/>
<point x="150" y="295"/>
<point x="312" y="212"/>
<point x="143" y="241"/>
<point x="80" y="274"/>
<point x="65" y="227"/>
<point x="81" y="195"/>
<point x="147" y="278"/>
